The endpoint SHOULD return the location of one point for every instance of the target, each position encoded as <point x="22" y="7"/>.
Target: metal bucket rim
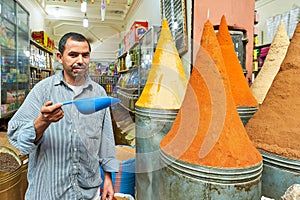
<point x="210" y="176"/>
<point x="155" y="110"/>
<point x="214" y="170"/>
<point x="155" y="113"/>
<point x="280" y="160"/>
<point x="247" y="107"/>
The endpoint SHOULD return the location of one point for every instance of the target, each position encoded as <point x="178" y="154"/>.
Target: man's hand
<point x="108" y="190"/>
<point x="49" y="113"/>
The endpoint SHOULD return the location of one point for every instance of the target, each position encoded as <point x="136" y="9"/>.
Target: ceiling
<point x="62" y="16"/>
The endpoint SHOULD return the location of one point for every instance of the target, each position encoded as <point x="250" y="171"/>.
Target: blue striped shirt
<point x="65" y="162"/>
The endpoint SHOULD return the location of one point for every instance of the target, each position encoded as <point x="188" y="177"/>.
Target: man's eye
<point x="73" y="54"/>
<point x="86" y="55"/>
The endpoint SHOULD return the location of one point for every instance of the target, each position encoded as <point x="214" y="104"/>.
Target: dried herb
<point x="8" y="163"/>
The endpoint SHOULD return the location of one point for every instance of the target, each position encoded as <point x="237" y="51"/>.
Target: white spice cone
<point x="271" y="66"/>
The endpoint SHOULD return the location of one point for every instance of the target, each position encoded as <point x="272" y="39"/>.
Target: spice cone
<point x="240" y="90"/>
<point x="166" y="83"/>
<point x="275" y="127"/>
<point x="207" y="130"/>
<point x="270" y="68"/>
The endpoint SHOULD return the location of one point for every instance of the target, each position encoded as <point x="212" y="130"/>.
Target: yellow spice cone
<point x="271" y="66"/>
<point x="207" y="130"/>
<point x="238" y="84"/>
<point x="166" y="83"/>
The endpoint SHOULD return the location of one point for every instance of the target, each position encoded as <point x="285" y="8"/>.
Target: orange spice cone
<point x="240" y="90"/>
<point x="275" y="126"/>
<point x="207" y="130"/>
<point x="270" y="68"/>
<point x="166" y="83"/>
<point x="207" y="151"/>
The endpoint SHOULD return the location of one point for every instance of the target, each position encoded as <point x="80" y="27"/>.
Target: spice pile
<point x="8" y="162"/>
<point x="270" y="68"/>
<point x="241" y="93"/>
<point x="166" y="82"/>
<point x="125" y="152"/>
<point x="208" y="130"/>
<point x="275" y="127"/>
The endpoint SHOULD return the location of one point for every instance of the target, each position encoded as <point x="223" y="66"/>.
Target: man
<point x="65" y="147"/>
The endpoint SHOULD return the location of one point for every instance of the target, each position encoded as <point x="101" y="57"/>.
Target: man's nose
<point x="80" y="58"/>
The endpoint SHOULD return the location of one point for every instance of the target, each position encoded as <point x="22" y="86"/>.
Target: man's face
<point x="75" y="59"/>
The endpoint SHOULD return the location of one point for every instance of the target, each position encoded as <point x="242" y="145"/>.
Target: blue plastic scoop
<point x="92" y="104"/>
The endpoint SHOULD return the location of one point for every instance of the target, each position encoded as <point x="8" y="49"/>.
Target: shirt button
<point x="75" y="149"/>
<point x="74" y="184"/>
<point x="74" y="167"/>
<point x="74" y="131"/>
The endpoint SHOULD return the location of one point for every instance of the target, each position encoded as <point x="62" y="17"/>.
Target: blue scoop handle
<point x="67" y="102"/>
<point x="92" y="104"/>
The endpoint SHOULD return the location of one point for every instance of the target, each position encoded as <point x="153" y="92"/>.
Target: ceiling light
<point x="102" y="10"/>
<point x="85" y="21"/>
<point x="83" y="6"/>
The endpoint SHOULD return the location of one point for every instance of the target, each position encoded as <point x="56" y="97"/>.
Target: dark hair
<point x="73" y="36"/>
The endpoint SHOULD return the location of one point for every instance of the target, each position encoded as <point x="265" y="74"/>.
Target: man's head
<point x="74" y="55"/>
<point x="74" y="36"/>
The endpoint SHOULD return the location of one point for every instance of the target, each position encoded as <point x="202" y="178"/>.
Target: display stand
<point x="41" y="62"/>
<point x="131" y="83"/>
<point x="14" y="52"/>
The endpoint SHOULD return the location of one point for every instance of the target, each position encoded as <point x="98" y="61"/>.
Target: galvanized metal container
<point x="182" y="180"/>
<point x="151" y="126"/>
<point x="278" y="175"/>
<point x="10" y="182"/>
<point x="24" y="182"/>
<point x="246" y="113"/>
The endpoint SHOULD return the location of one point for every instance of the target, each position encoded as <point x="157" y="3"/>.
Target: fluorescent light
<point x="83" y="6"/>
<point x="85" y="22"/>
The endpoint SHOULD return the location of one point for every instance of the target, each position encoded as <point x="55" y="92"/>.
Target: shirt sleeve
<point x="21" y="132"/>
<point x="107" y="153"/>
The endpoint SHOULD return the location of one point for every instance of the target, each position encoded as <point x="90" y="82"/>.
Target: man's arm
<point x="49" y="113"/>
<point x="108" y="189"/>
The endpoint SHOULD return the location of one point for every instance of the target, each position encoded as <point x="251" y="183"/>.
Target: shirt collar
<point x="59" y="78"/>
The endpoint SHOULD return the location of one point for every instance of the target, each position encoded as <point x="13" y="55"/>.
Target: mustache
<point x="79" y="65"/>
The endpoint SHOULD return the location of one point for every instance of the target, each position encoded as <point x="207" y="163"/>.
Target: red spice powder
<point x="275" y="127"/>
<point x="241" y="92"/>
<point x="208" y="130"/>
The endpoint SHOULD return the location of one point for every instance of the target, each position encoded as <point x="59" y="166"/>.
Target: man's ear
<point x="58" y="55"/>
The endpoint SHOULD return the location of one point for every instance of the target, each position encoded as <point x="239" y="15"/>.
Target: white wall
<point x="147" y="10"/>
<point x="36" y="15"/>
<point x="270" y="8"/>
<point x="150" y="10"/>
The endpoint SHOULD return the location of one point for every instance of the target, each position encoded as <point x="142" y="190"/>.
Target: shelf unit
<point x="14" y="56"/>
<point x="41" y="62"/>
<point x="131" y="83"/>
<point x="133" y="77"/>
<point x="108" y="82"/>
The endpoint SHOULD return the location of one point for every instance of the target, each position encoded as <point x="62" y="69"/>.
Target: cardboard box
<point x="137" y="30"/>
<point x="41" y="37"/>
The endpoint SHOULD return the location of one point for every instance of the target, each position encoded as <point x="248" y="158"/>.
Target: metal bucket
<point x="182" y="180"/>
<point x="278" y="175"/>
<point x="246" y="113"/>
<point x="151" y="126"/>
<point x="10" y="182"/>
<point x="24" y="182"/>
